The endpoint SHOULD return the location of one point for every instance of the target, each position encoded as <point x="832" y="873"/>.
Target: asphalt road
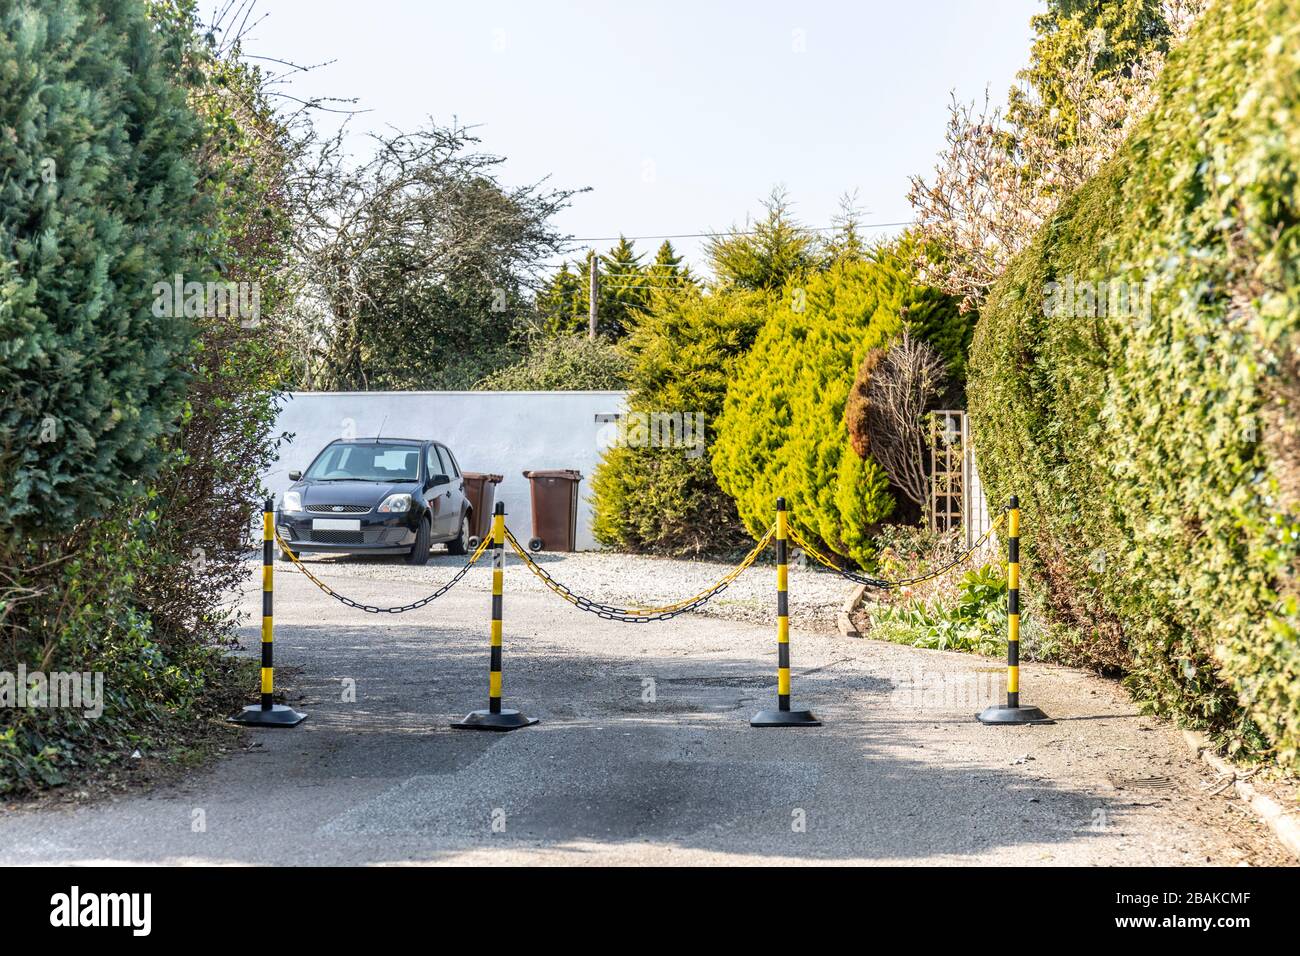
<point x="644" y="753"/>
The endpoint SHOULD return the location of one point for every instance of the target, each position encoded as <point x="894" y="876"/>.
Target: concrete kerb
<point x="843" y="620"/>
<point x="1283" y="823"/>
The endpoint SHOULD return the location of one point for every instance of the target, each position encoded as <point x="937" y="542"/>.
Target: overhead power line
<point x="744" y="232"/>
<point x="567" y="260"/>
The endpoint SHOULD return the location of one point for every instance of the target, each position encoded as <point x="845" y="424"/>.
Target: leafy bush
<point x="89" y="620"/>
<point x="782" y="432"/>
<point x="975" y="621"/>
<point x="563" y="363"/>
<point x="911" y="550"/>
<point x="666" y="499"/>
<point x="140" y="593"/>
<point x="1154" y="449"/>
<point x="99" y="204"/>
<point x="210" y="485"/>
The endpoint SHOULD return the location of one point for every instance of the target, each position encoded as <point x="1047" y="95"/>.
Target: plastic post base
<point x="278" y="716"/>
<point x="998" y="714"/>
<point x="785" y="718"/>
<point x="486" y="720"/>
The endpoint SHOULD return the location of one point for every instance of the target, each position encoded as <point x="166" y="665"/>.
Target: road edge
<point x="1285" y="827"/>
<point x="842" y="619"/>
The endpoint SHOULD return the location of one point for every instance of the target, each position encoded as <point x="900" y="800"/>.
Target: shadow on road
<point x="632" y="752"/>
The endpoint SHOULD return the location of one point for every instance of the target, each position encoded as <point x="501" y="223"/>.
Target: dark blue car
<point x="377" y="496"/>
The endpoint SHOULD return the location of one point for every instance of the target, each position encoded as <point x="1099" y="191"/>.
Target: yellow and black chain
<point x="371" y="608"/>
<point x="641" y="615"/>
<point x="859" y="578"/>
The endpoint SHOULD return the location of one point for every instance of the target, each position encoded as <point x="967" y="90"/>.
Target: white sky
<point x="680" y="115"/>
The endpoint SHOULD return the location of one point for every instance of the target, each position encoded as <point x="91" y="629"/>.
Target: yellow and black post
<point x="783" y="716"/>
<point x="494" y="718"/>
<point x="268" y="713"/>
<point x="1013" y="713"/>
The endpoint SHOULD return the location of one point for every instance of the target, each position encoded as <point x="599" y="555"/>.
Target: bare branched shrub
<point x="404" y="258"/>
<point x="904" y="385"/>
<point x="998" y="180"/>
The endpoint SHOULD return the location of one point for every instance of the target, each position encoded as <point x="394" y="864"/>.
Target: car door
<point x="439" y="496"/>
<point x="456" y="499"/>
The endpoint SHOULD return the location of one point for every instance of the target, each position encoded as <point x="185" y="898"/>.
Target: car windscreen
<point x="366" y="461"/>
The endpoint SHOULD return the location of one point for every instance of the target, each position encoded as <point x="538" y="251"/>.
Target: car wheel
<point x="460" y="543"/>
<point x="284" y="555"/>
<point x="536" y="544"/>
<point x="420" y="550"/>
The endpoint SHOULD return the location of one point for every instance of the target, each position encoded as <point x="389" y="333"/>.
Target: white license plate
<point x="336" y="524"/>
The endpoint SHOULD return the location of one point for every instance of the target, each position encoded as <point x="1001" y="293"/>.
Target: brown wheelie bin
<point x="480" y="489"/>
<point x="554" y="496"/>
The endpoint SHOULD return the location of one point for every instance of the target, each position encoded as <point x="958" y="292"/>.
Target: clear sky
<point x="681" y="116"/>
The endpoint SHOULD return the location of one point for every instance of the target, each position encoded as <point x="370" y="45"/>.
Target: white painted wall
<point x="504" y="433"/>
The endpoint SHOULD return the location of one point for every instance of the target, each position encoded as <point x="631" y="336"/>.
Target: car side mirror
<point x="295" y="476"/>
<point x="437" y="480"/>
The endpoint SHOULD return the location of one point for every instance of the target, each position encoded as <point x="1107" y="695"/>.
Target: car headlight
<point x="396" y="503"/>
<point x="292" y="502"/>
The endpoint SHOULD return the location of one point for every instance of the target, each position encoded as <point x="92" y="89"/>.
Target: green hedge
<point x="87" y="618"/>
<point x="562" y="363"/>
<point x="1155" y="450"/>
<point x="98" y="204"/>
<point x="666" y="500"/>
<point x="782" y="429"/>
<point x="141" y="592"/>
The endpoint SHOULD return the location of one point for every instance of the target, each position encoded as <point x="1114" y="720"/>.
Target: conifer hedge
<point x="1152" y="434"/>
<point x="782" y="428"/>
<point x="97" y="204"/>
<point x="683" y="352"/>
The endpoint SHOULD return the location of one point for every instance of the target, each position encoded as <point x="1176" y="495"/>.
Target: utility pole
<point x="592" y="292"/>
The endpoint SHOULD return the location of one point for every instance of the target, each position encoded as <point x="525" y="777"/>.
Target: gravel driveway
<point x="644" y="753"/>
<point x="621" y="579"/>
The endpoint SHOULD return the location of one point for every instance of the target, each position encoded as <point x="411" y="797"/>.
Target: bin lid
<point x="484" y="476"/>
<point x="568" y="473"/>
